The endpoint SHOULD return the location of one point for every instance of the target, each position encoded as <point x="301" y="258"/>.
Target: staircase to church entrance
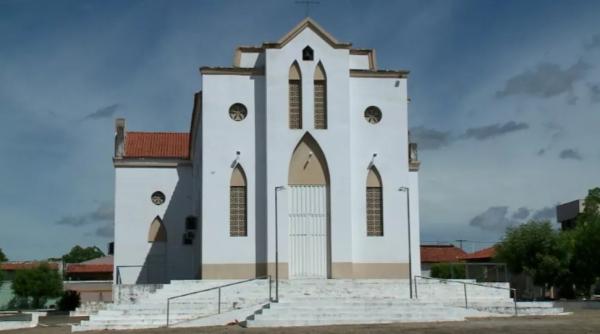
<point x="306" y="303"/>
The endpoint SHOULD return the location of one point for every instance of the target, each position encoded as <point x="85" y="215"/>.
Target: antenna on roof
<point x="307" y="4"/>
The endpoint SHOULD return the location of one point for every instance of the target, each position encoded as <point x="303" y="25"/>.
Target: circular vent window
<point x="158" y="198"/>
<point x="373" y="115"/>
<point x="238" y="112"/>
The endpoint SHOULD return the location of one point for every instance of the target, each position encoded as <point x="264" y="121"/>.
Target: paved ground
<point x="581" y="322"/>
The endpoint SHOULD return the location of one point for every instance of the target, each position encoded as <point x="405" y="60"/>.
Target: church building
<point x="298" y="154"/>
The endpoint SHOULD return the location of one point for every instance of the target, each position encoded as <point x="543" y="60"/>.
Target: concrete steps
<point x="344" y="310"/>
<point x="307" y="303"/>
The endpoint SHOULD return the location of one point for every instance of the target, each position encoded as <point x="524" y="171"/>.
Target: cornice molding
<point x="150" y="162"/>
<point x="232" y="70"/>
<point x="400" y="74"/>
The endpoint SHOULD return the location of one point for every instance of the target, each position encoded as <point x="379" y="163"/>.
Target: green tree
<point x="591" y="207"/>
<point x="80" y="254"/>
<point x="585" y="261"/>
<point x="536" y="249"/>
<point x="2" y="259"/>
<point x="38" y="284"/>
<point x="448" y="270"/>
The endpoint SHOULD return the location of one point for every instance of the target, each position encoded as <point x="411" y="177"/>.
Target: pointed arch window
<point x="158" y="232"/>
<point x="295" y="97"/>
<point x="320" y="97"/>
<point x="238" y="208"/>
<point x="374" y="204"/>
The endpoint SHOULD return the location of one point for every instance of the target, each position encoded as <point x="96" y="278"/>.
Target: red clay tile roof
<point x="440" y="253"/>
<point x="483" y="254"/>
<point x="77" y="268"/>
<point x="12" y="266"/>
<point x="157" y="145"/>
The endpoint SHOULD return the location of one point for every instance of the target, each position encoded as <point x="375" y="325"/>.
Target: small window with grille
<point x="374" y="203"/>
<point x="238" y="208"/>
<point x="295" y="105"/>
<point x="191" y="223"/>
<point x="320" y="85"/>
<point x="374" y="211"/>
<point x="237" y="212"/>
<point x="295" y="97"/>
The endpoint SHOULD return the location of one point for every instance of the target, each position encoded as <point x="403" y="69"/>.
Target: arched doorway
<point x="308" y="209"/>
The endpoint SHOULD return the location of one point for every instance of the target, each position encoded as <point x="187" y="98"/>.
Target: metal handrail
<point x="513" y="290"/>
<point x="219" y="295"/>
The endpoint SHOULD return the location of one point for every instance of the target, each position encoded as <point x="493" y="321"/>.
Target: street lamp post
<point x="277" y="188"/>
<point x="410" y="276"/>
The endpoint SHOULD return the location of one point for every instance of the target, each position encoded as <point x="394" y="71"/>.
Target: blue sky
<point x="505" y="101"/>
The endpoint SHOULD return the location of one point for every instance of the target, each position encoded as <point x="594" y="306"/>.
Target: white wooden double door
<point x="308" y="231"/>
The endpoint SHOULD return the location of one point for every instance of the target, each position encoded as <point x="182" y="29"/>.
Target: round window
<point x="158" y="198"/>
<point x="373" y="115"/>
<point x="238" y="112"/>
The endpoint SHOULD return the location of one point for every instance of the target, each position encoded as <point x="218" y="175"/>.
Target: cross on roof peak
<point x="307" y="4"/>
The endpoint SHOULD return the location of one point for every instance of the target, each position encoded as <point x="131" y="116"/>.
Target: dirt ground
<point x="580" y="322"/>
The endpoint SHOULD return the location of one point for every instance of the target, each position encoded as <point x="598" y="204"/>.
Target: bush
<point x="18" y="303"/>
<point x="39" y="284"/>
<point x="69" y="301"/>
<point x="448" y="270"/>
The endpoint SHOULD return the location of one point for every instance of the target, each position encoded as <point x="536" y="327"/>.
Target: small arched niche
<point x="308" y="53"/>
<point x="158" y="232"/>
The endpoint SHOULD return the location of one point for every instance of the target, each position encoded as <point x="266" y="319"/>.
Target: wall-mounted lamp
<point x="372" y="162"/>
<point x="237" y="158"/>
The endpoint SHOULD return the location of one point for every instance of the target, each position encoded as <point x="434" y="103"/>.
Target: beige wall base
<point x="369" y="270"/>
<point x="242" y="270"/>
<point x="338" y="270"/>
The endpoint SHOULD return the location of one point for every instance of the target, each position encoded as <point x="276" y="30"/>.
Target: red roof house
<point x="173" y="145"/>
<point x="440" y="253"/>
<point x="96" y="269"/>
<point x="483" y="255"/>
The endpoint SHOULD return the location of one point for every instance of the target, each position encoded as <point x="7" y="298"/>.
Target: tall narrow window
<point x="320" y="98"/>
<point x="295" y="97"/>
<point x="238" y="209"/>
<point x="374" y="204"/>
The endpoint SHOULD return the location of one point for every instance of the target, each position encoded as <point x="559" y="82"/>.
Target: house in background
<point x="480" y="256"/>
<point x="567" y="213"/>
<point x="433" y="254"/>
<point x="480" y="265"/>
<point x="10" y="268"/>
<point x="92" y="279"/>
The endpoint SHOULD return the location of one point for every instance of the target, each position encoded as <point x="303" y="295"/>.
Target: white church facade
<point x="298" y="153"/>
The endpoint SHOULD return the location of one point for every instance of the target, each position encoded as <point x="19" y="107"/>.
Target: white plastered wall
<point x="134" y="212"/>
<point x="222" y="139"/>
<point x="334" y="141"/>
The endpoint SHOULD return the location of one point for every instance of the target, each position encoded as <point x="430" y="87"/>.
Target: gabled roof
<point x="314" y="26"/>
<point x="172" y="145"/>
<point x="440" y="253"/>
<point x="483" y="254"/>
